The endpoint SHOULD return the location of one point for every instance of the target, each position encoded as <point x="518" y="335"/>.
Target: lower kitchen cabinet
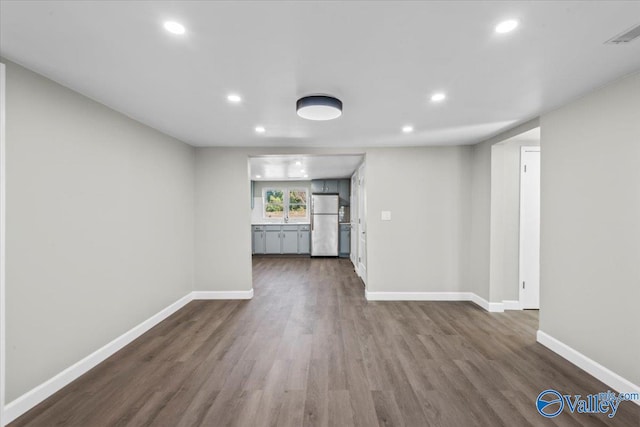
<point x="272" y="240"/>
<point x="280" y="239"/>
<point x="303" y="240"/>
<point x="290" y="239"/>
<point x="345" y="240"/>
<point x="258" y="239"/>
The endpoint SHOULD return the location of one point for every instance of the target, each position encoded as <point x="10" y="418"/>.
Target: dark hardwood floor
<point x="308" y="349"/>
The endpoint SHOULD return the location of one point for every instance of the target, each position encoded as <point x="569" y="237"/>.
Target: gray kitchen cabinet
<point x="258" y="239"/>
<point x="324" y="186"/>
<point x="272" y="240"/>
<point x="290" y="239"/>
<point x="317" y="186"/>
<point x="303" y="240"/>
<point x="281" y="239"/>
<point x="344" y="192"/>
<point x="345" y="240"/>
<point x="331" y="185"/>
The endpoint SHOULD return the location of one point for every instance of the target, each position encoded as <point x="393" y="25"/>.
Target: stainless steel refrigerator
<point x="324" y="225"/>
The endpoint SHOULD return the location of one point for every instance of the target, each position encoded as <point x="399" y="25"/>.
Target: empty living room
<point x="319" y="213"/>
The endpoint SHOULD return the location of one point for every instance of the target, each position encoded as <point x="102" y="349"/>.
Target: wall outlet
<point x="385" y="215"/>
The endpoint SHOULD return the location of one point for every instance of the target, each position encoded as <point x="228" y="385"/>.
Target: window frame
<point x="285" y="202"/>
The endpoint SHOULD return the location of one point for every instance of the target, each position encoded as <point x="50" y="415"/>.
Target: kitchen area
<point x="311" y="216"/>
<point x="301" y="217"/>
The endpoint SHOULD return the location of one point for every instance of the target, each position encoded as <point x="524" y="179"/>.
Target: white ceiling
<point x="382" y="59"/>
<point x="286" y="168"/>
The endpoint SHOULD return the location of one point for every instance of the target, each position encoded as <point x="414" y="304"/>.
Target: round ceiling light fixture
<point x="319" y="107"/>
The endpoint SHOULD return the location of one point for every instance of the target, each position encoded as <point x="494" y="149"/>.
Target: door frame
<point x="523" y="149"/>
<point x="362" y="223"/>
<point x="2" y="241"/>
<point x="353" y="219"/>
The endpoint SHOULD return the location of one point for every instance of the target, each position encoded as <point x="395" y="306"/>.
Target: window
<point x="297" y="203"/>
<point x="274" y="203"/>
<point x="285" y="203"/>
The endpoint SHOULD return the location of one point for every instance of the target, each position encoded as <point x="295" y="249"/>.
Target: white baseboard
<point x="30" y="399"/>
<point x="418" y="296"/>
<point x="512" y="305"/>
<point x="592" y="367"/>
<point x="494" y="307"/>
<point x="222" y="294"/>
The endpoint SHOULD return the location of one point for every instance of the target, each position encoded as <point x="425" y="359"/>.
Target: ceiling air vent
<point x="626" y="37"/>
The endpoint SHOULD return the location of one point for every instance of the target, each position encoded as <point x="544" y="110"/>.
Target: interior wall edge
<point x="593" y="368"/>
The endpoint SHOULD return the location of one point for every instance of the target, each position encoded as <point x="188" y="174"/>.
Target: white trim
<point x="36" y="395"/>
<point x="2" y="241"/>
<point x="592" y="367"/>
<point x="523" y="149"/>
<point x="512" y="305"/>
<point x="222" y="294"/>
<point x="493" y="307"/>
<point x="417" y="296"/>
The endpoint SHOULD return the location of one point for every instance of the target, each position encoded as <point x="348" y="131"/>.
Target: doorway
<point x="515" y="222"/>
<point x="530" y="227"/>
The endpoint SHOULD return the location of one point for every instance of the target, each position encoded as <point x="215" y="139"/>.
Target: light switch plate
<point x="385" y="215"/>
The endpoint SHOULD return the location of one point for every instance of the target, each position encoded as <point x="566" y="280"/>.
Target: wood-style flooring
<point x="309" y="350"/>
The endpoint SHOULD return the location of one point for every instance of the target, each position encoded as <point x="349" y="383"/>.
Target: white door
<point x="530" y="227"/>
<point x="362" y="225"/>
<point x="354" y="220"/>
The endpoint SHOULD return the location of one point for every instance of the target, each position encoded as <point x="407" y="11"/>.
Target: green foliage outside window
<point x="275" y="203"/>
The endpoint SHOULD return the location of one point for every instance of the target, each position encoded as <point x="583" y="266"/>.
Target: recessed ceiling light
<point x="306" y="176"/>
<point x="260" y="129"/>
<point x="258" y="176"/>
<point x="506" y="26"/>
<point x="407" y="129"/>
<point x="174" y="27"/>
<point x="319" y="107"/>
<point x="437" y="97"/>
<point x="301" y="170"/>
<point x="298" y="163"/>
<point x="234" y="98"/>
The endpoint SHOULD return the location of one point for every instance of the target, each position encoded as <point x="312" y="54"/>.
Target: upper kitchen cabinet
<point x="344" y="192"/>
<point x="342" y="187"/>
<point x="324" y="186"/>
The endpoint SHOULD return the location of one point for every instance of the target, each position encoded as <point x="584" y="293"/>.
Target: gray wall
<point x="480" y="219"/>
<point x="222" y="220"/>
<point x="590" y="237"/>
<point x="505" y="219"/>
<point x="423" y="248"/>
<point x="99" y="226"/>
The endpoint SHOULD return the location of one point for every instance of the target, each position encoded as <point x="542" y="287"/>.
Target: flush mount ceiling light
<point x="319" y="107"/>
<point x="437" y="97"/>
<point x="174" y="27"/>
<point x="260" y="129"/>
<point x="407" y="129"/>
<point x="235" y="98"/>
<point x="506" y="26"/>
